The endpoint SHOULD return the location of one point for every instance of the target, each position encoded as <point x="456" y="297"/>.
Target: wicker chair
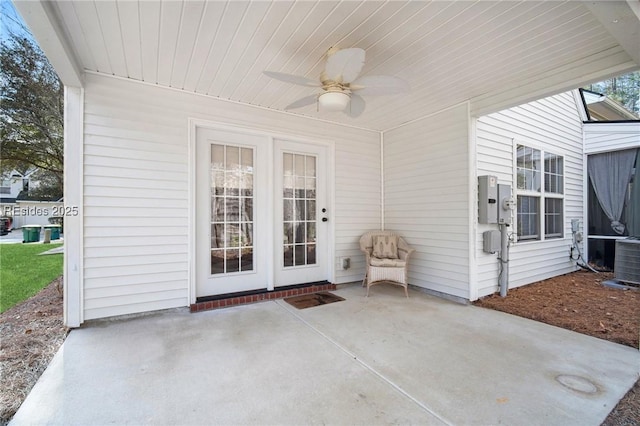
<point x="385" y="269"/>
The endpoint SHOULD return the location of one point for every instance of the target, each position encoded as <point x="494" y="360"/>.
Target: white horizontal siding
<point x="604" y="137"/>
<point x="426" y="174"/>
<point x="136" y="183"/>
<point x="552" y="124"/>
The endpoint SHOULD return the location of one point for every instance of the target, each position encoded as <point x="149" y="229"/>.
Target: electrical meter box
<point x="487" y="199"/>
<point x="504" y="204"/>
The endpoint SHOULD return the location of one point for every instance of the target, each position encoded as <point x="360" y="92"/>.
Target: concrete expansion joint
<point x="365" y="365"/>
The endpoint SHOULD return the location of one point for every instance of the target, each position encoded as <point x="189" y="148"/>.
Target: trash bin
<point x="55" y="231"/>
<point x="5" y="225"/>
<point x="31" y="233"/>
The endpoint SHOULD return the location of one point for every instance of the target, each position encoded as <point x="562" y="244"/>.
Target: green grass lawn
<point x="23" y="273"/>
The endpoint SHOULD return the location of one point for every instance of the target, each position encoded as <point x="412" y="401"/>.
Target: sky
<point x="10" y="20"/>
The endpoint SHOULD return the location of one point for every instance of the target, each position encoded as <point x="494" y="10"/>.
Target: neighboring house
<point x="12" y="184"/>
<point x="168" y="117"/>
<point x="17" y="204"/>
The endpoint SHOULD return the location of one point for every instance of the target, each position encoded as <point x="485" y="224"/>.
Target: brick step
<point x="235" y="299"/>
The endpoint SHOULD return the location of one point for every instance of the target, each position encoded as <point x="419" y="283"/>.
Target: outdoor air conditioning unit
<point x="627" y="264"/>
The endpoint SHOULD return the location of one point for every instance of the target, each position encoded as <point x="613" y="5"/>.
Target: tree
<point x="624" y="89"/>
<point x="32" y="114"/>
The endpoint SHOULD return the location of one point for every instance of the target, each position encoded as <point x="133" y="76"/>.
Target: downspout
<point x="503" y="278"/>
<point x="506" y="205"/>
<point x="382" y="181"/>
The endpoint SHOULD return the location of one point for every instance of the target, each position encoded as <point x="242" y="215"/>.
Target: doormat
<point x="314" y="299"/>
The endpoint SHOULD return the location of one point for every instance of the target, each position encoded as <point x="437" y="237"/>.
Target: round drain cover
<point x="577" y="383"/>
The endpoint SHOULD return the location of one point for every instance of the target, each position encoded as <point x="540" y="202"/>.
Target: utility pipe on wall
<point x="503" y="279"/>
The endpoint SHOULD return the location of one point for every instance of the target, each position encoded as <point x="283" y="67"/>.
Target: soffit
<point x="448" y="51"/>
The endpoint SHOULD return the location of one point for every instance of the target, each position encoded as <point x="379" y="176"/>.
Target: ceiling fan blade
<point x="290" y="78"/>
<point x="345" y="65"/>
<point x="379" y="85"/>
<point x="356" y="106"/>
<point x="307" y="100"/>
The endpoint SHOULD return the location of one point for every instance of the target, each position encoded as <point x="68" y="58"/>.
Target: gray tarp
<point x="610" y="173"/>
<point x="633" y="221"/>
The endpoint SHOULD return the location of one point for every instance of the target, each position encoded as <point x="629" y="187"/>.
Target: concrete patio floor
<point x="378" y="360"/>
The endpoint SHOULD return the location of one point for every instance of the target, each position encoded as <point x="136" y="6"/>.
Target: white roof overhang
<point x="494" y="54"/>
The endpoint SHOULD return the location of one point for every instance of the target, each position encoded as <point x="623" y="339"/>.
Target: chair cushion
<point x="387" y="263"/>
<point x="385" y="246"/>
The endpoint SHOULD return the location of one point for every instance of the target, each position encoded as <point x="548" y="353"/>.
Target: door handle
<point x="324" y="219"/>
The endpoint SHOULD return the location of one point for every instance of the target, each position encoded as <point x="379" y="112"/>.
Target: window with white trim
<point x="539" y="185"/>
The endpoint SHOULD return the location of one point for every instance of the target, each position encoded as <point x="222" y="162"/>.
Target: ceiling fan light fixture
<point x="333" y="101"/>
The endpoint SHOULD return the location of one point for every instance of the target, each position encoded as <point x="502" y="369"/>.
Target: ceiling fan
<point x="341" y="87"/>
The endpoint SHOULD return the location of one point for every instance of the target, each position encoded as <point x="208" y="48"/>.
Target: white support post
<point x="73" y="201"/>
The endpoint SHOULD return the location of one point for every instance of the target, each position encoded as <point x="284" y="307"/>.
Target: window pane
<point x="311" y="166"/>
<point x="217" y="209"/>
<point x="217" y="236"/>
<point x="311" y="254"/>
<point x="288" y="255"/>
<point x="287" y="238"/>
<point x="246" y="260"/>
<point x="311" y="210"/>
<point x="218" y="183"/>
<point x="246" y="160"/>
<point x="553" y="218"/>
<point x="299" y="165"/>
<point x="528" y="168"/>
<point x="217" y="262"/>
<point x="311" y="232"/>
<point x="246" y="182"/>
<point x="247" y="210"/>
<point x="233" y="158"/>
<point x="288" y="176"/>
<point x="299" y="187"/>
<point x="233" y="260"/>
<point x="217" y="157"/>
<point x="553" y="173"/>
<point x="528" y="218"/>
<point x="299" y="255"/>
<point x="246" y="235"/>
<point x="287" y="210"/>
<point x="233" y="209"/>
<point x="311" y="188"/>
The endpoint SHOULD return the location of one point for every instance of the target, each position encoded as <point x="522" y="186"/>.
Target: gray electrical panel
<point x="491" y="241"/>
<point x="504" y="207"/>
<point x="487" y="199"/>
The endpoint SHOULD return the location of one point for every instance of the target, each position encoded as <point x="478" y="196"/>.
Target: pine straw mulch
<point x="579" y="302"/>
<point x="32" y="331"/>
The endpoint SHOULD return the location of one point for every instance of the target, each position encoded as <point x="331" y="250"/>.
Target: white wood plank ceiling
<point x="448" y="51"/>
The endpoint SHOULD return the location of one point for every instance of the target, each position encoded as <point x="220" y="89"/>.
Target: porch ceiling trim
<point x="622" y="20"/>
<point x="44" y="25"/>
<point x="583" y="43"/>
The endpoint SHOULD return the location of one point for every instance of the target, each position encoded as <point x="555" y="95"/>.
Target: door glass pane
<point x="311" y="232"/>
<point x="246" y="160"/>
<point x="217" y="262"/>
<point x="231" y="209"/>
<point x="217" y="157"/>
<point x="288" y="176"/>
<point x="311" y="166"/>
<point x="299" y="209"/>
<point x="311" y="210"/>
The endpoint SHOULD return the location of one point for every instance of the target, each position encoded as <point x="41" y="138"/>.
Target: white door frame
<point x="193" y="125"/>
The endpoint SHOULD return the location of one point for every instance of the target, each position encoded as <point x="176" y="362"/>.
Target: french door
<point x="261" y="212"/>
<point x="301" y="213"/>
